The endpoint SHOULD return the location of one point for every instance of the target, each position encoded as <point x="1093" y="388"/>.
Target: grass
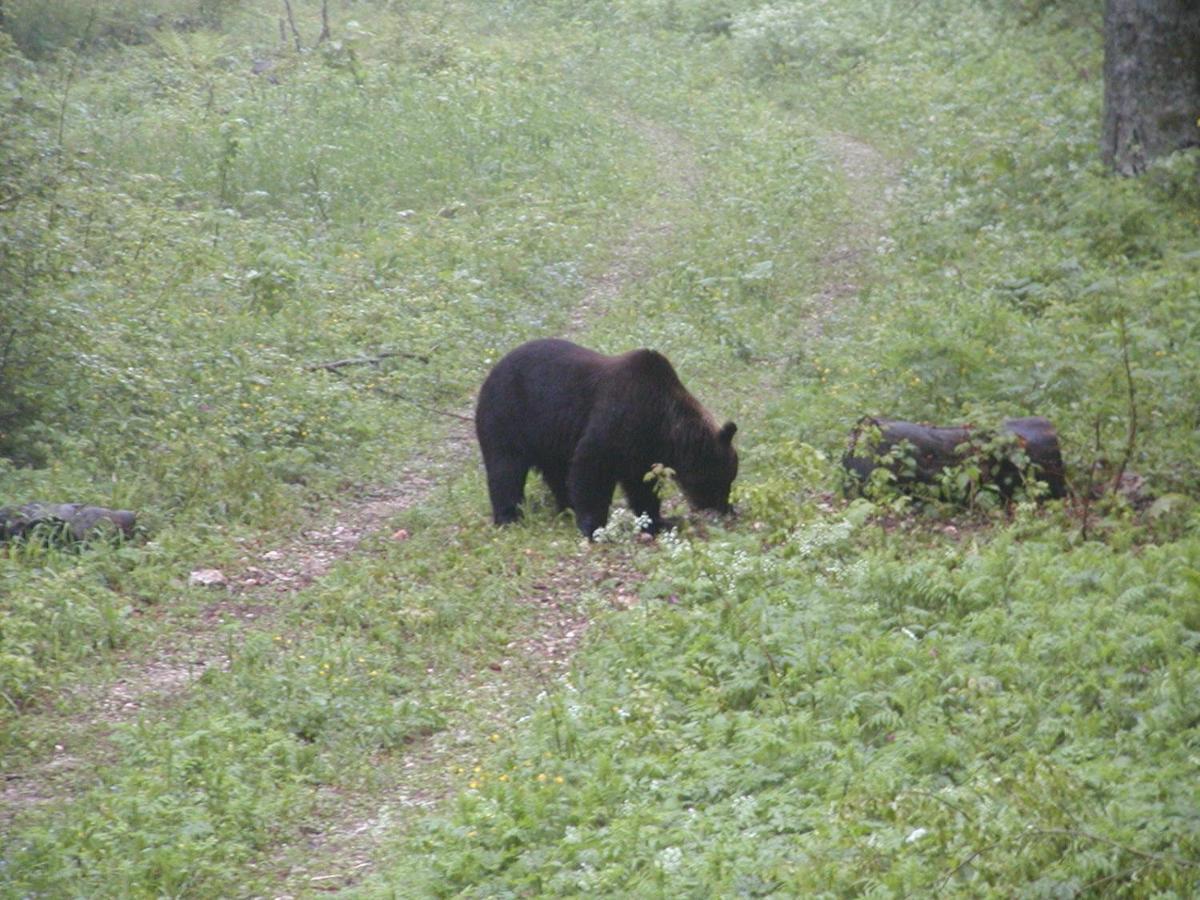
<point x="817" y="215"/>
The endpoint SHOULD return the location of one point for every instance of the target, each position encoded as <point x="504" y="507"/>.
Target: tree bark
<point x="1151" y="81"/>
<point x="324" y="35"/>
<point x="292" y="22"/>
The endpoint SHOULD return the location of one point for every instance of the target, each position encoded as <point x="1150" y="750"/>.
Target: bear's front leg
<point x="645" y="502"/>
<point x="590" y="513"/>
<point x="590" y="488"/>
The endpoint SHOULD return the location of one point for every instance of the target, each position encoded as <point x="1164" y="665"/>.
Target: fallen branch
<point x="393" y="395"/>
<point x="365" y="361"/>
<point x="1075" y="834"/>
<point x="71" y="521"/>
<point x="336" y="366"/>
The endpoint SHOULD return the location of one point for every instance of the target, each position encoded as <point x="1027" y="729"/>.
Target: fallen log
<point x="916" y="453"/>
<point x="73" y="521"/>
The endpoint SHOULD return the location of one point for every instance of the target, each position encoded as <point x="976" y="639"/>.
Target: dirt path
<point x="252" y="597"/>
<point x="358" y="827"/>
<point x="680" y="176"/>
<point x="353" y="843"/>
<point x="257" y="593"/>
<point x="869" y="178"/>
<point x="347" y="848"/>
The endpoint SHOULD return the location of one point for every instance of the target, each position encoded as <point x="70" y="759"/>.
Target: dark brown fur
<point x="588" y="422"/>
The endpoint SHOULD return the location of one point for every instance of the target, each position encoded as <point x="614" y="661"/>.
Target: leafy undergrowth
<point x="823" y="210"/>
<point x="848" y="710"/>
<point x="199" y="795"/>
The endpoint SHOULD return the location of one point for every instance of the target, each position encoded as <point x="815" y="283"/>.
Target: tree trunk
<point x="1151" y="80"/>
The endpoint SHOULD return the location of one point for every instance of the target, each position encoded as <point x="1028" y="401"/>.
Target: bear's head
<point x="707" y="481"/>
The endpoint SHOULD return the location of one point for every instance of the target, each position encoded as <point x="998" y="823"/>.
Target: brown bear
<point x="588" y="422"/>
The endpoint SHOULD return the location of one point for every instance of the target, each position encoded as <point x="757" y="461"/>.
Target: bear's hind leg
<point x="506" y="488"/>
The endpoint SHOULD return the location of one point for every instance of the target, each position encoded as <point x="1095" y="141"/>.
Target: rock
<point x="209" y="578"/>
<point x="623" y="600"/>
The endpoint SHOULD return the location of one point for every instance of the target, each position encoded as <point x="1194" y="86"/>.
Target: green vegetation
<point x="817" y="210"/>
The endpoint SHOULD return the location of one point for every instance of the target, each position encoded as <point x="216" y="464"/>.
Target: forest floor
<point x="346" y="846"/>
<point x="321" y="669"/>
<point x="342" y="843"/>
<point x="344" y="849"/>
<point x="255" y="596"/>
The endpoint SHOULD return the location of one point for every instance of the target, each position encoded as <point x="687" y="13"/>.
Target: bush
<point x="43" y="30"/>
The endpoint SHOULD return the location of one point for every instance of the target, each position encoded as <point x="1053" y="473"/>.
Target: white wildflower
<point x="586" y="880"/>
<point x="744" y="808"/>
<point x="669" y="859"/>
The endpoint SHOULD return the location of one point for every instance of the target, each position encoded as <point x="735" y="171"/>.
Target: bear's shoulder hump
<point x="650" y="364"/>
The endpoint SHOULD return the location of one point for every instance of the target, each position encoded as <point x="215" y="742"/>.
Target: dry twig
<point x="1131" y="433"/>
<point x="365" y="361"/>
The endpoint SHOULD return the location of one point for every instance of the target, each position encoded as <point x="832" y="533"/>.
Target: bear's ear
<point x="728" y="430"/>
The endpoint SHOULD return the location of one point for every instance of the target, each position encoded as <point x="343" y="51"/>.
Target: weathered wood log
<point x="916" y="453"/>
<point x="74" y="521"/>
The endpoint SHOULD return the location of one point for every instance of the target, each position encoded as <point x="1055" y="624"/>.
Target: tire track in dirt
<point x="254" y="597"/>
<point x="869" y="178"/>
<point x="543" y="654"/>
<point x="844" y="262"/>
<point x="359" y="828"/>
<point x="680" y="176"/>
